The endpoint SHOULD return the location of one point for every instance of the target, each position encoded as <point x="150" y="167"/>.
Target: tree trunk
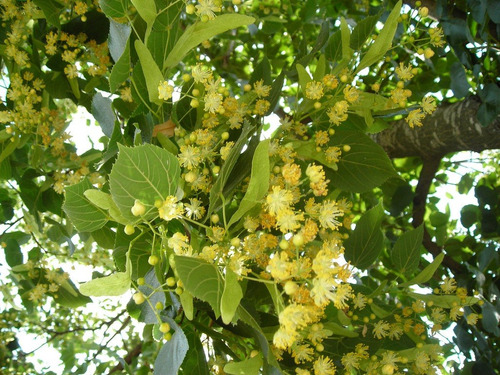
<point x="451" y="128"/>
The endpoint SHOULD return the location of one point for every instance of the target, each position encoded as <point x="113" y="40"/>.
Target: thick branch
<point x="450" y="128"/>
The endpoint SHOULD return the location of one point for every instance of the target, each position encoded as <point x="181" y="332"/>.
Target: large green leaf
<point x="112" y="285"/>
<point x="202" y="279"/>
<point x="231" y="296"/>
<point x="103" y="113"/>
<point x="84" y="215"/>
<point x="366" y="241"/>
<point x="146" y="9"/>
<point x="121" y="70"/>
<point x="114" y="8"/>
<point x="406" y="250"/>
<point x="196" y="361"/>
<point x="146" y="173"/>
<point x="172" y="353"/>
<point x="259" y="182"/>
<point x="426" y="273"/>
<point x="51" y="9"/>
<point x="384" y="40"/>
<point x="152" y="73"/>
<point x="364" y="167"/>
<point x="250" y="366"/>
<point x="363" y="30"/>
<point x="200" y="31"/>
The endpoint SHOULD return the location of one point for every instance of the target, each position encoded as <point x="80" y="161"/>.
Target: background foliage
<point x="120" y="60"/>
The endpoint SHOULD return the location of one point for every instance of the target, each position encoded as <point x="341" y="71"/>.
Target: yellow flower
<point x="314" y="90"/>
<point x="302" y="353"/>
<point x="338" y="113"/>
<point x="200" y="73"/>
<point x="179" y="243"/>
<point x="321" y="291"/>
<point x="225" y="150"/>
<point x="328" y="214"/>
<point x="284" y="339"/>
<point x="289" y="221"/>
<point x="404" y="72"/>
<point x="194" y="209"/>
<point x="213" y="101"/>
<point x="324" y="366"/>
<point x="332" y="154"/>
<point x="428" y="105"/>
<point x="189" y="156"/>
<point x="472" y="318"/>
<point x="261" y="107"/>
<point x="165" y="90"/>
<point x="170" y="209"/>
<point x="279" y="200"/>
<point x="351" y="93"/>
<point x="330" y="81"/>
<point x="260" y="89"/>
<point x="350" y="361"/>
<point x="207" y="8"/>
<point x="381" y="329"/>
<point x="315" y="173"/>
<point x="291" y="173"/>
<point x="415" y="117"/>
<point x="279" y="267"/>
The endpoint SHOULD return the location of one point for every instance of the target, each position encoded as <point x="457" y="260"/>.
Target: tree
<point x="228" y="234"/>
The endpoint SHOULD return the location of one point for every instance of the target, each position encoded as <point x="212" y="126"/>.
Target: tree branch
<point x="135" y="352"/>
<point x="429" y="170"/>
<point x="451" y="128"/>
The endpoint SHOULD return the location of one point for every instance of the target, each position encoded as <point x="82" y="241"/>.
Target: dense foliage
<point x="216" y="213"/>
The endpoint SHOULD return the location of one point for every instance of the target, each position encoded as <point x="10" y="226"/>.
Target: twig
<point x="135" y="352"/>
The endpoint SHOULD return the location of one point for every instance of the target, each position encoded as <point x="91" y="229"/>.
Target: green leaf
<point x="459" y="83"/>
<point x="362" y="168"/>
<point x="384" y="40"/>
<point x="173" y="352"/>
<point x="146" y="9"/>
<point x="307" y="149"/>
<point x="51" y="9"/>
<point x="118" y="38"/>
<point x="112" y="285"/>
<point x="259" y="182"/>
<point x="333" y="49"/>
<point x="121" y="69"/>
<point x="406" y="250"/>
<point x="200" y="31"/>
<point x="346" y="39"/>
<point x="447" y="301"/>
<point x="195" y="362"/>
<point x="187" y="304"/>
<point x="426" y="273"/>
<point x="105" y="201"/>
<point x="365" y="243"/>
<point x="231" y="296"/>
<point x="363" y="30"/>
<point x="114" y="8"/>
<point x="250" y="366"/>
<point x="146" y="173"/>
<point x="227" y="167"/>
<point x="201" y="279"/>
<point x="137" y="248"/>
<point x="304" y="77"/>
<point x="84" y="215"/>
<point x="13" y="253"/>
<point x="103" y="113"/>
<point x="152" y="73"/>
<point x="167" y="144"/>
<point x="9" y="148"/>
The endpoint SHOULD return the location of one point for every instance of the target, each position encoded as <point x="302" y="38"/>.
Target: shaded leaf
<point x="406" y="250"/>
<point x="103" y="113"/>
<point x="173" y="352"/>
<point x="151" y="71"/>
<point x="426" y="273"/>
<point x="365" y="243"/>
<point x="201" y="279"/>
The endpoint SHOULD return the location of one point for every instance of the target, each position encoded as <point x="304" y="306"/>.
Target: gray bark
<point x="451" y="128"/>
